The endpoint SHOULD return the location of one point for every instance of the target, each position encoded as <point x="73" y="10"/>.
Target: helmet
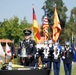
<point x="67" y="43"/>
<point x="50" y="42"/>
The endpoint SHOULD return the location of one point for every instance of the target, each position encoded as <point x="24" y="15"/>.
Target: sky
<point x="23" y="8"/>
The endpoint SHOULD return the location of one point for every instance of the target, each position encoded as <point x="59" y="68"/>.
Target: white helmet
<point x="67" y="43"/>
<point x="50" y="41"/>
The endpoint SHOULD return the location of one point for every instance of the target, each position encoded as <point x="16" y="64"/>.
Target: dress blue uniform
<point x="46" y="59"/>
<point x="39" y="55"/>
<point x="51" y="50"/>
<point x="68" y="57"/>
<point x="56" y="59"/>
<point x="27" y="50"/>
<point x="42" y="56"/>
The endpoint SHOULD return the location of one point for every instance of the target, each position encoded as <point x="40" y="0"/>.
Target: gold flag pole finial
<point x="32" y="5"/>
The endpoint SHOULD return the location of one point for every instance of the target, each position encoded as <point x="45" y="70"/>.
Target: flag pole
<point x="56" y="27"/>
<point x="36" y="31"/>
<point x="12" y="51"/>
<point x="32" y="26"/>
<point x="5" y="55"/>
<point x="13" y="55"/>
<point x="72" y="38"/>
<point x="45" y="25"/>
<point x="54" y="15"/>
<point x="45" y="15"/>
<point x="13" y="58"/>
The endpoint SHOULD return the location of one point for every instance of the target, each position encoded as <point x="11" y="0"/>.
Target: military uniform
<point x="68" y="57"/>
<point x="27" y="54"/>
<point x="39" y="55"/>
<point x="46" y="59"/>
<point x="51" y="50"/>
<point x="56" y="59"/>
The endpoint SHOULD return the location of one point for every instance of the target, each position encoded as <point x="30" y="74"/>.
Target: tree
<point x="73" y="15"/>
<point x="61" y="11"/>
<point x="70" y="27"/>
<point x="12" y="29"/>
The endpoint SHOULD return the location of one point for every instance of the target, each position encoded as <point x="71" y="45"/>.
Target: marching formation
<point x="44" y="55"/>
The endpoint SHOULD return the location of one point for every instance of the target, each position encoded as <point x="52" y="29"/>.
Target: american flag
<point x="45" y="26"/>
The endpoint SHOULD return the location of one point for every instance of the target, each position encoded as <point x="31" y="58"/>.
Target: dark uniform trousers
<point x="67" y="68"/>
<point x="47" y="61"/>
<point x="27" y="61"/>
<point x="67" y="62"/>
<point x="56" y="66"/>
<point x="44" y="61"/>
<point x="51" y="56"/>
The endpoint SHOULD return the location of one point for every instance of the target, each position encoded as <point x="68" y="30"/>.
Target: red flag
<point x="36" y="28"/>
<point x="56" y="27"/>
<point x="8" y="50"/>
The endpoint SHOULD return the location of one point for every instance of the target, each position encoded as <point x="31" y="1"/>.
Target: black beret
<point x="27" y="32"/>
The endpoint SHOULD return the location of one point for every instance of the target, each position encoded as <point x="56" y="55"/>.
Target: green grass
<point x="16" y="61"/>
<point x="74" y="69"/>
<point x="62" y="70"/>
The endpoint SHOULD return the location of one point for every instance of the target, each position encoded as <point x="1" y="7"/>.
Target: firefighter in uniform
<point x="67" y="57"/>
<point x="27" y="49"/>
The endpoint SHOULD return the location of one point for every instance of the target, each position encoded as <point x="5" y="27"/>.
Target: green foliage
<point x="70" y="27"/>
<point x="61" y="9"/>
<point x="12" y="29"/>
<point x="62" y="69"/>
